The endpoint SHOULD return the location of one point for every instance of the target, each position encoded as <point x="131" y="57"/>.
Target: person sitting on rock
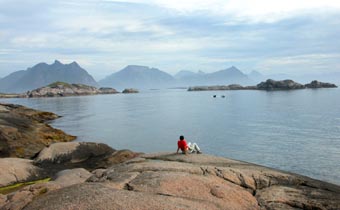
<point x="187" y="147"/>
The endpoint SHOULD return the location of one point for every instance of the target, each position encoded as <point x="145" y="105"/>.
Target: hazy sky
<point x="103" y="36"/>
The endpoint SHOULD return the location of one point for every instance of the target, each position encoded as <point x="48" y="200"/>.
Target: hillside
<point x="43" y="74"/>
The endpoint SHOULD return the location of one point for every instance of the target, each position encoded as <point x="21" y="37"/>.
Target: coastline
<point x="194" y="181"/>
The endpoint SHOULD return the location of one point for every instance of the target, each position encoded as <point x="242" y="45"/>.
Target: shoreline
<point x="195" y="181"/>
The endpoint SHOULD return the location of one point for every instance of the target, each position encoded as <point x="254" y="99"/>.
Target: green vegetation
<point x="58" y="83"/>
<point x="55" y="84"/>
<point x="17" y="186"/>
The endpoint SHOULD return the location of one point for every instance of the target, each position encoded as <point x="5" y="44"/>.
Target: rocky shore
<point x="268" y="85"/>
<point x="24" y="131"/>
<point x="86" y="175"/>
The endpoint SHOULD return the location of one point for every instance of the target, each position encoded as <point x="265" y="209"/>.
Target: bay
<point x="297" y="131"/>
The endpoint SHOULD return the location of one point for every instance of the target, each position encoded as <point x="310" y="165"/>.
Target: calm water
<point x="298" y="131"/>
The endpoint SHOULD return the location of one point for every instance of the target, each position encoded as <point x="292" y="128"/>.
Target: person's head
<point x="181" y="138"/>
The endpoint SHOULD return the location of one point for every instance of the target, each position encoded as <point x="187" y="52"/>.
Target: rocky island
<point x="86" y="175"/>
<point x="130" y="90"/>
<point x="268" y="85"/>
<point x="61" y="89"/>
<point x="65" y="89"/>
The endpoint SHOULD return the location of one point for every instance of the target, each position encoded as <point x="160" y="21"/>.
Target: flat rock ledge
<point x="176" y="181"/>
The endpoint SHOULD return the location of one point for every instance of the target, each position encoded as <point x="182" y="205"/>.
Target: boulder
<point x="14" y="170"/>
<point x="317" y="84"/>
<point x="60" y="156"/>
<point x="24" y="132"/>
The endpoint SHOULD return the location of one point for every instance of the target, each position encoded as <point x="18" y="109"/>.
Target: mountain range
<point x="132" y="76"/>
<point x="43" y="74"/>
<point x="230" y="75"/>
<point x="143" y="77"/>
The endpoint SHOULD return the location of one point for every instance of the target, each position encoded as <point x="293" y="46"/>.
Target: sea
<point x="296" y="131"/>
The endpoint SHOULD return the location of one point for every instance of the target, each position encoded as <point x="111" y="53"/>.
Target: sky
<point x="294" y="37"/>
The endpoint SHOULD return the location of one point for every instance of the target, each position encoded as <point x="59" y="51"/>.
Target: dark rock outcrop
<point x="24" y="132"/>
<point x="107" y="90"/>
<point x="317" y="84"/>
<point x="64" y="89"/>
<point x="60" y="156"/>
<point x="130" y="90"/>
<point x="279" y="85"/>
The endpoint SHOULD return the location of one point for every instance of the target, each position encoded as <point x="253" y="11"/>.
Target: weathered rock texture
<point x="52" y="162"/>
<point x="279" y="85"/>
<point x="175" y="181"/>
<point x="64" y="89"/>
<point x="24" y="132"/>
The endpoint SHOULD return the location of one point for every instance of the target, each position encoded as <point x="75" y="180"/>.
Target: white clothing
<point x="193" y="147"/>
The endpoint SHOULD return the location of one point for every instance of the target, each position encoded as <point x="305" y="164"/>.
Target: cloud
<point x="249" y="10"/>
<point x="302" y="64"/>
<point x="106" y="35"/>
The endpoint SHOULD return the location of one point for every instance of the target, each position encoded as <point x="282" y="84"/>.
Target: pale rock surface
<point x="13" y="170"/>
<point x="71" y="176"/>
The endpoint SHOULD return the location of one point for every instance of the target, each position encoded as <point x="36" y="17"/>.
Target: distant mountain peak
<point x="136" y="66"/>
<point x="42" y="74"/>
<point x="74" y="63"/>
<point x="137" y="76"/>
<point x="56" y="62"/>
<point x="233" y="68"/>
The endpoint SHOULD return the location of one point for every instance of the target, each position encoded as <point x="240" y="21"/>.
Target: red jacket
<point x="182" y="144"/>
